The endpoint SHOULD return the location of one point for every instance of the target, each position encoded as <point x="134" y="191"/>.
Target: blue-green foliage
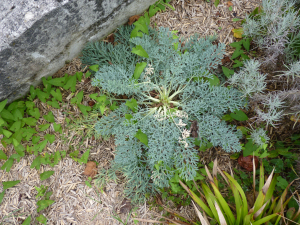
<point x="180" y="77"/>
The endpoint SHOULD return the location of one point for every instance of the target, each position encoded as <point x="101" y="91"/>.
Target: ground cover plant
<point x="174" y="101"/>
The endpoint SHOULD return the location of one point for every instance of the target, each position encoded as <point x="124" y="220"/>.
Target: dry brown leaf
<point x="111" y="38"/>
<point x="90" y="169"/>
<point x="132" y="19"/>
<point x="295" y="118"/>
<point x="229" y="3"/>
<point x="125" y="206"/>
<point x="247" y="163"/>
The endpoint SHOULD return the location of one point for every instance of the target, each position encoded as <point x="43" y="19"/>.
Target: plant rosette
<point x="174" y="101"/>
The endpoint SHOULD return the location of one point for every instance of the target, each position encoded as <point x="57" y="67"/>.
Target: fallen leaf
<point x="229" y="3"/>
<point x="125" y="206"/>
<point x="226" y="59"/>
<point x="91" y="103"/>
<point x="132" y="19"/>
<point x="237" y="33"/>
<point x="247" y="162"/>
<point x="90" y="169"/>
<point x="295" y="118"/>
<point x="111" y="38"/>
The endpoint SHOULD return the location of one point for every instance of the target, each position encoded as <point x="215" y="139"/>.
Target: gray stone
<point x="38" y="36"/>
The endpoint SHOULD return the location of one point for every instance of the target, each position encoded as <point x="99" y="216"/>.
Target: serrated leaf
<point x="227" y="72"/>
<point x="27" y="221"/>
<point x="40" y="146"/>
<point x="8" y="164"/>
<point x="132" y="104"/>
<point x="237" y="53"/>
<point x="18" y="135"/>
<point x="29" y="121"/>
<point x="42" y="95"/>
<point x="20" y="150"/>
<point x="43" y="127"/>
<point x="217" y="3"/>
<point x="94" y="68"/>
<point x="3" y="155"/>
<point x="245" y="57"/>
<point x="84" y="109"/>
<point x="153" y="10"/>
<point x="36" y="163"/>
<point x="46" y="175"/>
<point x="49" y="117"/>
<point x="79" y="75"/>
<point x="139" y="69"/>
<point x="59" y="82"/>
<point x="140" y="51"/>
<point x="3" y="104"/>
<point x="32" y="92"/>
<point x="84" y="157"/>
<point x="35" y="112"/>
<point x="50" y="138"/>
<point x="88" y="74"/>
<point x="238" y="64"/>
<point x="250" y="147"/>
<point x="47" y="85"/>
<point x="141" y="26"/>
<point x="9" y="184"/>
<point x="246" y="44"/>
<point x="53" y="103"/>
<point x="2" y="122"/>
<point x="5" y="114"/>
<point x="214" y="81"/>
<point x="71" y="83"/>
<point x="6" y="133"/>
<point x="35" y="139"/>
<point x="237" y="44"/>
<point x="142" y="137"/>
<point x="74" y="155"/>
<point x="135" y="33"/>
<point x="57" y="127"/>
<point x="56" y="94"/>
<point x="78" y="98"/>
<point x="57" y="157"/>
<point x="43" y="204"/>
<point x="42" y="219"/>
<point x="239" y="115"/>
<point x="29" y="104"/>
<point x="114" y="106"/>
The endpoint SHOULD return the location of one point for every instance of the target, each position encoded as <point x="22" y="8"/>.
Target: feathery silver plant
<point x="292" y="72"/>
<point x="271" y="29"/>
<point x="249" y="80"/>
<point x="259" y="136"/>
<point x="273" y="103"/>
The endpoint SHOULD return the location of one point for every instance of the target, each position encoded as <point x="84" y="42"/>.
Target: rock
<point x="38" y="37"/>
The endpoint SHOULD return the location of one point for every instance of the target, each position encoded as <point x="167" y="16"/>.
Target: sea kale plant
<point x="169" y="100"/>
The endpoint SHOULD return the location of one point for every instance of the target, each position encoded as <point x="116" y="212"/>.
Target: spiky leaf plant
<point x="172" y="99"/>
<point x="265" y="209"/>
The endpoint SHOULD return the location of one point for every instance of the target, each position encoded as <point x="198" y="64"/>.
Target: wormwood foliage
<point x="169" y="87"/>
